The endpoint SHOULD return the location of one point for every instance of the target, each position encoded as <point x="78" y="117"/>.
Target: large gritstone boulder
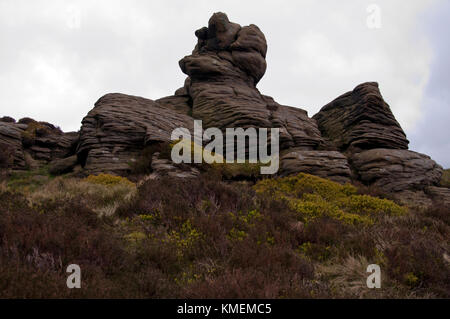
<point x="396" y="170"/>
<point x="361" y="120"/>
<point x="114" y="133"/>
<point x="327" y="164"/>
<point x="224" y="68"/>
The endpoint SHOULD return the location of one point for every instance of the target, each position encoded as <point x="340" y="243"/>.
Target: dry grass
<point x="101" y="197"/>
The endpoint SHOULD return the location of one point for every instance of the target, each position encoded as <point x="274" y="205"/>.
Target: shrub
<point x="207" y="238"/>
<point x="419" y="263"/>
<point x="368" y="205"/>
<point x="326" y="231"/>
<point x="298" y="185"/>
<point x="174" y="197"/>
<point x="38" y="243"/>
<point x="184" y="239"/>
<point x="314" y="197"/>
<point x="439" y="211"/>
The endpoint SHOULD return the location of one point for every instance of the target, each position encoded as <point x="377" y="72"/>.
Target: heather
<point x="295" y="237"/>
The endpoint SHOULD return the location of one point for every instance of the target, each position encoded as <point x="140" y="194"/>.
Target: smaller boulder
<point x="361" y="120"/>
<point x="62" y="166"/>
<point x="326" y="164"/>
<point x="7" y="119"/>
<point x="396" y="170"/>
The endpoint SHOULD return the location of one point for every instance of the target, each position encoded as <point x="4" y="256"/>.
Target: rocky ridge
<point x="353" y="138"/>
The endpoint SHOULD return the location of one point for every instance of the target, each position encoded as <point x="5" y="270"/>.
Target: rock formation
<point x="224" y="68"/>
<point x="120" y="126"/>
<point x="31" y="143"/>
<point x="361" y="120"/>
<point x="327" y="164"/>
<point x="396" y="170"/>
<point x="353" y="138"/>
<point x="11" y="143"/>
<point x="361" y="125"/>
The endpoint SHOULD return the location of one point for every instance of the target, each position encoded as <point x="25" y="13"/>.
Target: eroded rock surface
<point x="11" y="144"/>
<point x="396" y="170"/>
<point x="361" y="120"/>
<point x="30" y="143"/>
<point x="114" y="133"/>
<point x="224" y="68"/>
<point x="327" y="164"/>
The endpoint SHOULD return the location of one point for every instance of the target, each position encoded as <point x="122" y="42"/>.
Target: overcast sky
<point x="58" y="57"/>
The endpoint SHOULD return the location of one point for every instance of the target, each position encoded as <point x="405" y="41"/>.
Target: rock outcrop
<point x="118" y="128"/>
<point x="361" y="125"/>
<point x="31" y="142"/>
<point x="11" y="144"/>
<point x="354" y="137"/>
<point x="361" y="120"/>
<point x="224" y="68"/>
<point x="52" y="147"/>
<point x="396" y="170"/>
<point x="327" y="164"/>
<point x="63" y="165"/>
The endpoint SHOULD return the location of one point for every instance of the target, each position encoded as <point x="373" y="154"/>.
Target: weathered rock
<point x="7" y="119"/>
<point x="223" y="71"/>
<point x="63" y="165"/>
<point x="45" y="142"/>
<point x="37" y="143"/>
<point x="327" y="164"/>
<point x="396" y="170"/>
<point x="114" y="133"/>
<point x="361" y="120"/>
<point x="177" y="103"/>
<point x="59" y="145"/>
<point x="30" y="162"/>
<point x="26" y="120"/>
<point x="11" y="142"/>
<point x="439" y="194"/>
<point x="161" y="167"/>
<point x="41" y="153"/>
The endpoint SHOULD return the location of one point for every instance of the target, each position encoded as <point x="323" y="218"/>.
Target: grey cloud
<point x="432" y="133"/>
